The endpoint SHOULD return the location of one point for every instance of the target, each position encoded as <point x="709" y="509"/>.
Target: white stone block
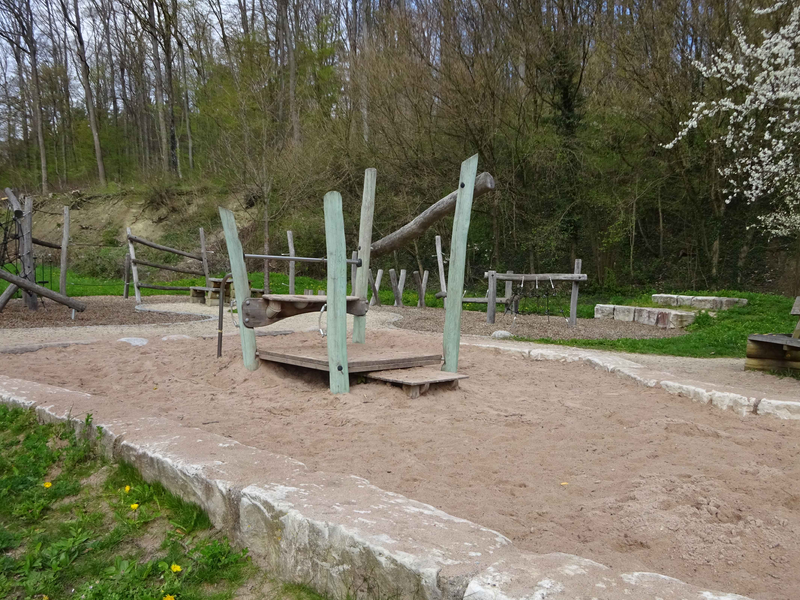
<point x="707" y="302"/>
<point x="678" y="319"/>
<point x="624" y="313"/>
<point x="646" y="316"/>
<point x="687" y="391"/>
<point x="603" y="311"/>
<point x="665" y="299"/>
<point x="779" y="408"/>
<point x="739" y="404"/>
<point x="501" y="334"/>
<point x="684" y="300"/>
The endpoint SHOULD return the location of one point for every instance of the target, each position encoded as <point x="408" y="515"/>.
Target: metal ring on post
<point x="319" y="323"/>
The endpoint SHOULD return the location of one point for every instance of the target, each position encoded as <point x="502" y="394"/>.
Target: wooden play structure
<point x="777" y="351"/>
<point x="17" y="246"/>
<point x="415" y="371"/>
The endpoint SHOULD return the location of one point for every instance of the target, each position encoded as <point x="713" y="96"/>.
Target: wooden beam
<point x="364" y="250"/>
<point x="125" y="277"/>
<point x="7" y="295"/>
<point x="458" y="255"/>
<point x="491" y="298"/>
<point x="573" y="300"/>
<point x="62" y="275"/>
<point x="45" y="244"/>
<point x="290" y="239"/>
<point x="339" y="373"/>
<point x="376" y="288"/>
<point x="144" y="242"/>
<point x="145" y="263"/>
<point x="28" y="266"/>
<point x="204" y="255"/>
<point x="177" y="288"/>
<point x="134" y="268"/>
<point x="481" y="185"/>
<point x="538" y="277"/>
<point x="241" y="285"/>
<point x="35" y="289"/>
<point x="440" y="260"/>
<point x="509" y="285"/>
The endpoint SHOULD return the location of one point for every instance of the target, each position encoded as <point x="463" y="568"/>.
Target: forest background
<point x="271" y="103"/>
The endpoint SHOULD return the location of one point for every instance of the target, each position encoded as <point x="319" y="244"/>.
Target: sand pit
<point x="653" y="482"/>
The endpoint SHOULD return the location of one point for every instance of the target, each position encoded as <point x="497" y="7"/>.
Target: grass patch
<point x="69" y="521"/>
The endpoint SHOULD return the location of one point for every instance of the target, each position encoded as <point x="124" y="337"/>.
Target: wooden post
<point x="35" y="288"/>
<point x="376" y="288"/>
<point x="134" y="269"/>
<point x="7" y="295"/>
<point x="204" y="255"/>
<point x="401" y="284"/>
<point x="364" y="250"/>
<point x="398" y="298"/>
<point x="125" y="276"/>
<point x="573" y="301"/>
<point x="353" y="268"/>
<point x="509" y="290"/>
<point x="290" y="239"/>
<point x="28" y="266"/>
<point x="440" y="260"/>
<point x="337" y="294"/>
<point x="422" y="285"/>
<point x="62" y="275"/>
<point x="458" y="256"/>
<point x="241" y="286"/>
<point x="491" y="298"/>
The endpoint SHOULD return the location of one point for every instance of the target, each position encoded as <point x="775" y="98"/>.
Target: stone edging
<point x="695" y="391"/>
<point x="339" y="534"/>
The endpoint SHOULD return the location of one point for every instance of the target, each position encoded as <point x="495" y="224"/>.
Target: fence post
<point x="125" y="276"/>
<point x="376" y="286"/>
<point x="573" y="301"/>
<point x="491" y="298"/>
<point x="290" y="239"/>
<point x="134" y="269"/>
<point x="204" y="255"/>
<point x="364" y="250"/>
<point x="440" y="260"/>
<point x="62" y="275"/>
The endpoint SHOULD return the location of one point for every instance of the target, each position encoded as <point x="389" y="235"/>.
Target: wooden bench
<point x="199" y="294"/>
<point x="775" y="352"/>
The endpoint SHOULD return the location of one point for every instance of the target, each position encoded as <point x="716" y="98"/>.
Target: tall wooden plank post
<point x="440" y="260"/>
<point x="364" y="250"/>
<point x="573" y="301"/>
<point x="290" y="239"/>
<point x="62" y="275"/>
<point x="134" y="269"/>
<point x="204" y="256"/>
<point x="240" y="284"/>
<point x="458" y="257"/>
<point x="28" y="264"/>
<point x="337" y="294"/>
<point x="125" y="281"/>
<point x="491" y="298"/>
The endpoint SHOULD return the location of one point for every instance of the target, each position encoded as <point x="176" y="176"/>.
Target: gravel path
<point x="532" y="326"/>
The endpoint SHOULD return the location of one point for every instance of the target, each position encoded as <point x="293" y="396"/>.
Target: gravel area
<point x="532" y="326"/>
<point x="100" y="310"/>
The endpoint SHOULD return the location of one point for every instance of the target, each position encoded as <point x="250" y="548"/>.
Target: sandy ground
<point x="559" y="457"/>
<point x="531" y="326"/>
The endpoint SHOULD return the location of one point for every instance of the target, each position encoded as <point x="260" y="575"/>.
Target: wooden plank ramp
<point x="417" y="380"/>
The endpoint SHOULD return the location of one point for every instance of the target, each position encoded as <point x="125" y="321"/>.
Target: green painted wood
<point x="337" y="294"/>
<point x="458" y="256"/>
<point x="241" y="286"/>
<point x="364" y="249"/>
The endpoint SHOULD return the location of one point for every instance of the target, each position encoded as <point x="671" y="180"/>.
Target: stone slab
<point x="624" y="313"/>
<point x="603" y="311"/>
<point x="665" y="299"/>
<point x="339" y="534"/>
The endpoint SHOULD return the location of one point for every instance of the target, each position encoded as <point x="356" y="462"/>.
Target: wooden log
<point x="14" y="203"/>
<point x="458" y="256"/>
<point x="531" y="277"/>
<point x="241" y="285"/>
<point x="422" y="284"/>
<point x="480" y="185"/>
<point x="177" y="288"/>
<point x="440" y="260"/>
<point x="28" y="266"/>
<point x="44" y="243"/>
<point x="290" y="239"/>
<point x="353" y="268"/>
<point x="7" y="294"/>
<point x="364" y="250"/>
<point x="125" y="277"/>
<point x="491" y="298"/>
<point x="204" y="255"/>
<point x="757" y="349"/>
<point x="398" y="297"/>
<point x="35" y="289"/>
<point x="573" y="300"/>
<point x="401" y="284"/>
<point x="376" y="288"/>
<point x="145" y="263"/>
<point x="338" y="371"/>
<point x="766" y="364"/>
<point x="134" y="268"/>
<point x="62" y="275"/>
<point x="144" y="242"/>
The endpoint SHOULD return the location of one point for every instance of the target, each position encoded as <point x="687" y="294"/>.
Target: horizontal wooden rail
<point x="184" y="288"/>
<point x="139" y="261"/>
<point x="42" y="291"/>
<point x="539" y="277"/>
<point x="39" y="242"/>
<point x="144" y="242"/>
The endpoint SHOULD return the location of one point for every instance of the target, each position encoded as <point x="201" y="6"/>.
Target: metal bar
<point x="306" y="259"/>
<point x="221" y="306"/>
<point x="144" y="242"/>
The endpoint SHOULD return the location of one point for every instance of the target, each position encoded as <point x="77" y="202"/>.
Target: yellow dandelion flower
<point x="127" y="489"/>
<point x="176" y="568"/>
<point x="47" y="484"/>
<point x="169" y="597"/>
<point x="45" y="597"/>
<point x="134" y="506"/>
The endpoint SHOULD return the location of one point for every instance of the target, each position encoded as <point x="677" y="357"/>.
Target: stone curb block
<point x="341" y="535"/>
<point x="779" y="408"/>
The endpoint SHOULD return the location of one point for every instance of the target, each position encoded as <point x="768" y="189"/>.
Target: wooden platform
<point x="361" y="358"/>
<point x="773" y="352"/>
<point x="417" y="380"/>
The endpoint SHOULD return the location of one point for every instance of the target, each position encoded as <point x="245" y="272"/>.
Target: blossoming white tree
<point x="761" y="113"/>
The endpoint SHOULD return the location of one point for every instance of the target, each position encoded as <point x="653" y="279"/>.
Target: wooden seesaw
<point x="416" y="372"/>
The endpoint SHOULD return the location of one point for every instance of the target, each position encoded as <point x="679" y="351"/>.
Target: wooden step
<point x="417" y="380"/>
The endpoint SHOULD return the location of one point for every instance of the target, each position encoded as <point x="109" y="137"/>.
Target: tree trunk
<point x="159" y="88"/>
